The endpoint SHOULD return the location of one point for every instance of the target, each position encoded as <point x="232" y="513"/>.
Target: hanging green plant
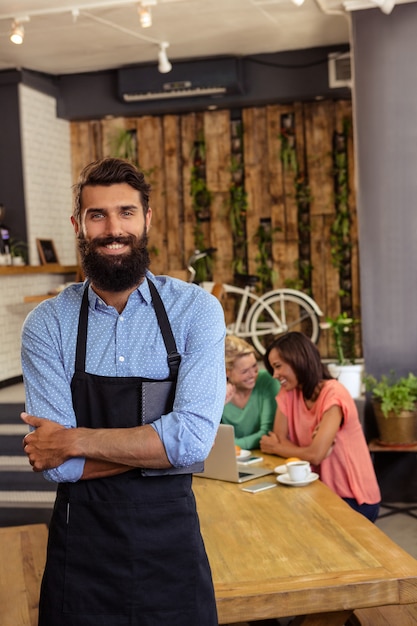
<point x="201" y="195"/>
<point x="264" y="269"/>
<point x="288" y="153"/>
<point x="238" y="201"/>
<point x="340" y="231"/>
<point x="201" y="203"/>
<point x="123" y="144"/>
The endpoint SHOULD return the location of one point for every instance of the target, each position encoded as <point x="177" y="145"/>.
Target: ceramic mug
<point x="298" y="471"/>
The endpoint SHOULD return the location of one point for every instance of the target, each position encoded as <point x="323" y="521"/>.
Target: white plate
<point x="244" y="454"/>
<point x="280" y="469"/>
<point x="286" y="480"/>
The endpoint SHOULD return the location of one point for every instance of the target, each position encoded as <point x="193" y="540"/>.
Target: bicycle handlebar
<point x="198" y="254"/>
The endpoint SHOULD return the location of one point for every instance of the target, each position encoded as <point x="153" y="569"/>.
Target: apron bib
<point x="126" y="550"/>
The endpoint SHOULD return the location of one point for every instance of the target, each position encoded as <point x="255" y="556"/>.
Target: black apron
<point x="125" y="550"/>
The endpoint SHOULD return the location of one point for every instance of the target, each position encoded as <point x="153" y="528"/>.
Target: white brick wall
<point x="46" y="154"/>
<point x="46" y="151"/>
<point x="13" y="311"/>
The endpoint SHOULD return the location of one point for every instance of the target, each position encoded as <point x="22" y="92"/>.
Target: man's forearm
<point x="102" y="469"/>
<point x="133" y="447"/>
<point x="50" y="445"/>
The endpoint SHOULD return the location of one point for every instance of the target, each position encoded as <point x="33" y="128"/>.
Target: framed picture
<point x="47" y="252"/>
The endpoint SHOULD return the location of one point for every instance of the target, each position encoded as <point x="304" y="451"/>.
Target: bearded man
<point x="125" y="385"/>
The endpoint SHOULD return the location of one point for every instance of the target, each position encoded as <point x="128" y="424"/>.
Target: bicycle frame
<point x="239" y="326"/>
<point x="261" y="318"/>
<point x="250" y="322"/>
<point x="299" y="294"/>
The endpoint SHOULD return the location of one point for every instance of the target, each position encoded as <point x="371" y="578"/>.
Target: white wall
<point x="46" y="155"/>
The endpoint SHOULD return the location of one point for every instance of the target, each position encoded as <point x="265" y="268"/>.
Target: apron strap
<point x="82" y="333"/>
<point x="173" y="357"/>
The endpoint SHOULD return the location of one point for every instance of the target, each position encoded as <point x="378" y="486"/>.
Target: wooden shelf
<point x="50" y="268"/>
<point x="39" y="298"/>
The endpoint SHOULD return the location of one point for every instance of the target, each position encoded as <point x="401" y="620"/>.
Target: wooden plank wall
<point x="165" y="152"/>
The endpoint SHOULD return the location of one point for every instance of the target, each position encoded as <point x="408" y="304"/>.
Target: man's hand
<point x="47" y="446"/>
<point x="51" y="444"/>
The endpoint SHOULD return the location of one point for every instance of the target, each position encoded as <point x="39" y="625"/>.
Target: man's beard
<point x="118" y="272"/>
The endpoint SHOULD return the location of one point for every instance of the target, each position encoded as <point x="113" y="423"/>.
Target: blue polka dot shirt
<point x="131" y="344"/>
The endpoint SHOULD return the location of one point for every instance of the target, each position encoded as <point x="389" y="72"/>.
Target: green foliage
<point x="19" y="248"/>
<point x="123" y="145"/>
<point x="394" y="394"/>
<point x="201" y="202"/>
<point x="342" y="327"/>
<point x="264" y="271"/>
<point x="288" y="153"/>
<point x="237" y="213"/>
<point x="340" y="230"/>
<point x="237" y="202"/>
<point x="199" y="191"/>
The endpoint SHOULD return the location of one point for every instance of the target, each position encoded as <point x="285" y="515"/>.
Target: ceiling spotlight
<point x="298" y="3"/>
<point x="17" y="33"/>
<point x="145" y="17"/>
<point x="145" y="13"/>
<point x="386" y="6"/>
<point x="164" y="66"/>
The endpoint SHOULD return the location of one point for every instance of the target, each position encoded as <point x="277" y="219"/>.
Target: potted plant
<point x="18" y="252"/>
<point x="394" y="400"/>
<point x="345" y="368"/>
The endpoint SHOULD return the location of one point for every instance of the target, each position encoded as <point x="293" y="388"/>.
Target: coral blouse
<point x="348" y="470"/>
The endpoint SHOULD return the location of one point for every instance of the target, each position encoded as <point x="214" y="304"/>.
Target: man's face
<point x="112" y="236"/>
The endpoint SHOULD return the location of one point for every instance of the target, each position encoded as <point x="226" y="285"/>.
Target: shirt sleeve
<point x="47" y="387"/>
<point x="188" y="432"/>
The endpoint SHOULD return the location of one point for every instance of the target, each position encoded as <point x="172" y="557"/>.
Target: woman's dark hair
<point x="303" y="357"/>
<point x="111" y="171"/>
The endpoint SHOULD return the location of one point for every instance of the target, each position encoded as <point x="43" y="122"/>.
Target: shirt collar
<point x="143" y="292"/>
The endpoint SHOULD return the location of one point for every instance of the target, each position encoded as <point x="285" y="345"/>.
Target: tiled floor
<point x="400" y="527"/>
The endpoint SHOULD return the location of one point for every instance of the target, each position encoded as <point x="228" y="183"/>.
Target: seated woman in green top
<point x="250" y="398"/>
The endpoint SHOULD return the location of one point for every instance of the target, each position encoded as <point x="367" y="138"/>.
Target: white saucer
<point x="280" y="469"/>
<point x="244" y="454"/>
<point x="286" y="480"/>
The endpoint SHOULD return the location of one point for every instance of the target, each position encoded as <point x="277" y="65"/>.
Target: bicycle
<point x="261" y="318"/>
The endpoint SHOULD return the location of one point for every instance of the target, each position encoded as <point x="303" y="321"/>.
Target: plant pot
<point x="396" y="429"/>
<point x="350" y="376"/>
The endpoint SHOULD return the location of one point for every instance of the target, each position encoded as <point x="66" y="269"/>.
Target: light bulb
<point x="145" y="16"/>
<point x="17" y="34"/>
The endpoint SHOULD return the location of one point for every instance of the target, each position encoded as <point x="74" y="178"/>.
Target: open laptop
<point x="222" y="464"/>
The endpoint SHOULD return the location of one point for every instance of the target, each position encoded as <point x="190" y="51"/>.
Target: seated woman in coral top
<point x="317" y="421"/>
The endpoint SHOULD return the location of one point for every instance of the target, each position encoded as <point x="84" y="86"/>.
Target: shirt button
<point x="121" y="318"/>
<point x="121" y="359"/>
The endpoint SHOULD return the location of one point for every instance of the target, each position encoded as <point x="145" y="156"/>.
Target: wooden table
<point x="22" y="559"/>
<point x="297" y="551"/>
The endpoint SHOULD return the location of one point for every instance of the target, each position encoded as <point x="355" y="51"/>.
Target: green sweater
<point x="257" y="418"/>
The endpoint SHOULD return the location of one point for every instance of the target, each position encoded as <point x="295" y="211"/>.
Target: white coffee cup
<point x="298" y="470"/>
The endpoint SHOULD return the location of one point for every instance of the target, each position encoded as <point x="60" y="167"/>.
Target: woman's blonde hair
<point x="235" y="348"/>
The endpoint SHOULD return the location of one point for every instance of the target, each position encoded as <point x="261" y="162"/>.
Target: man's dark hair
<point x="303" y="357"/>
<point x="110" y="171"/>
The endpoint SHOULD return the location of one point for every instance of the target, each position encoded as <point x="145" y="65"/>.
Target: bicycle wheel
<point x="281" y="313"/>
